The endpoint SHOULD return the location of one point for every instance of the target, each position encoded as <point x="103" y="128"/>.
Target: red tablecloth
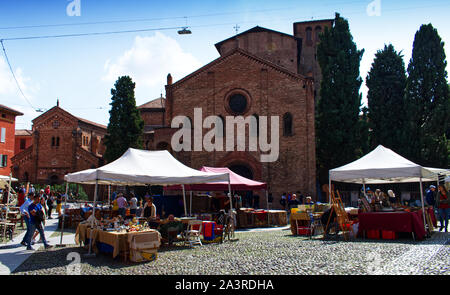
<point x="393" y="221"/>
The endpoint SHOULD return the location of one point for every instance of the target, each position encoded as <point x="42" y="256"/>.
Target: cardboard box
<point x="143" y="255"/>
<point x="147" y="240"/>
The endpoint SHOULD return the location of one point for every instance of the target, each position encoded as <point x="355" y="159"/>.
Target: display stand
<point x="341" y="216"/>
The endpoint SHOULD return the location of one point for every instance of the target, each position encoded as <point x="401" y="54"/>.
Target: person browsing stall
<point x="392" y="198"/>
<point x="431" y="195"/>
<point x="149" y="209"/>
<point x="443" y="205"/>
<point x="122" y="204"/>
<point x="133" y="204"/>
<point x="308" y="201"/>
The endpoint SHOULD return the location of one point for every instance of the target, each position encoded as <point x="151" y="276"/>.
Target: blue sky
<point x="81" y="71"/>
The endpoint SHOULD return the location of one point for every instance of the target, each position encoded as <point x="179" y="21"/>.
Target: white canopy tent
<point x="142" y="167"/>
<point x="4" y="180"/>
<point x="382" y="165"/>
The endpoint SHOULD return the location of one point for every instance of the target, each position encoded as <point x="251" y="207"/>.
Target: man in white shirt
<point x="26" y="216"/>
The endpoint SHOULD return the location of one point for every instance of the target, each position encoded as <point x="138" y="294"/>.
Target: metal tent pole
<point x="229" y="194"/>
<point x="329" y="188"/>
<point x="267" y="202"/>
<point x="423" y="207"/>
<point x="190" y="205"/>
<point x="109" y="195"/>
<point x="184" y="200"/>
<point x="62" y="220"/>
<point x="92" y="221"/>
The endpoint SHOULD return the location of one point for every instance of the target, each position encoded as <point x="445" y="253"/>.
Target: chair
<point x="192" y="234"/>
<point x="311" y="224"/>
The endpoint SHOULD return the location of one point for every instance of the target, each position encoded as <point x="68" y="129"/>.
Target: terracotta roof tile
<point x="23" y="132"/>
<point x="158" y="103"/>
<point x="8" y="109"/>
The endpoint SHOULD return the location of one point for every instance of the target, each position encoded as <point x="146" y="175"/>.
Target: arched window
<point x="318" y="31"/>
<point x="57" y="141"/>
<point x="287" y="124"/>
<point x="308" y="34"/>
<point x="53" y="141"/>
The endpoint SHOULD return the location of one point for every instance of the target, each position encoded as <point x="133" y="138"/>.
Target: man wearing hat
<point x="431" y="195"/>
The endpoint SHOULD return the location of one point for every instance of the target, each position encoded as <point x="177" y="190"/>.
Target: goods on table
<point x="249" y="217"/>
<point x="134" y="241"/>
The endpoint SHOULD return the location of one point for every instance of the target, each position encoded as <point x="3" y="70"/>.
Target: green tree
<point x="386" y="81"/>
<point x="338" y="124"/>
<point x="427" y="99"/>
<point x="125" y="122"/>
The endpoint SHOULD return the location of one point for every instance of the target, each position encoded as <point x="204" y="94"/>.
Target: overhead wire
<point x="153" y="29"/>
<point x="14" y="75"/>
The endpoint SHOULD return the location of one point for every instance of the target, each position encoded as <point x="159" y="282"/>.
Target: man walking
<point x="36" y="217"/>
<point x="26" y="217"/>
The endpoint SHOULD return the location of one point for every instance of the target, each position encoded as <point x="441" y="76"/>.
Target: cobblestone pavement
<point x="266" y="252"/>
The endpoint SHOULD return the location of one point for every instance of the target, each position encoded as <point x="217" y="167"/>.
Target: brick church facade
<point x="260" y="72"/>
<point x="61" y="144"/>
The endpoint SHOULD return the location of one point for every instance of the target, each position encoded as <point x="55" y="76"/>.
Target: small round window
<point x="237" y="103"/>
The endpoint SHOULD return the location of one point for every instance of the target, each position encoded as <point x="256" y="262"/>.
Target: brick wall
<point x="271" y="92"/>
<point x="8" y="122"/>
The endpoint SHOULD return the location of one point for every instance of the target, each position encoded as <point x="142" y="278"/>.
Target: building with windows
<point x="23" y="140"/>
<point x="260" y="72"/>
<point x="7" y="137"/>
<point x="60" y="143"/>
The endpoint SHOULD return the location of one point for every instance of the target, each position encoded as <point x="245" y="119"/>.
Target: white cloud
<point x="11" y="96"/>
<point x="148" y="62"/>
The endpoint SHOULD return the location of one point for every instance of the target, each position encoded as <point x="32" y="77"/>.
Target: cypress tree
<point x="338" y="124"/>
<point x="386" y="81"/>
<point x="427" y="98"/>
<point x="125" y="123"/>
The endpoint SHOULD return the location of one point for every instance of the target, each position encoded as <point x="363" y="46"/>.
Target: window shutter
<point x="3" y="160"/>
<point x="3" y="135"/>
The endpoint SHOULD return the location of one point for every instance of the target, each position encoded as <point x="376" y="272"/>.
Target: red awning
<point x="237" y="183"/>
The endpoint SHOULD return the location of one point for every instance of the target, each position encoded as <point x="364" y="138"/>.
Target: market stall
<point x="381" y="166"/>
<point x="117" y="241"/>
<point x="246" y="217"/>
<point x="141" y="167"/>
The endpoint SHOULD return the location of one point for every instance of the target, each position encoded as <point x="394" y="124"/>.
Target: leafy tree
<point x="386" y="81"/>
<point x="427" y="98"/>
<point x="125" y="122"/>
<point x="338" y="124"/>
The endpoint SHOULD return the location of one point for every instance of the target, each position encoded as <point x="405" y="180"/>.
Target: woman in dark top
<point x="443" y="205"/>
<point x="149" y="209"/>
